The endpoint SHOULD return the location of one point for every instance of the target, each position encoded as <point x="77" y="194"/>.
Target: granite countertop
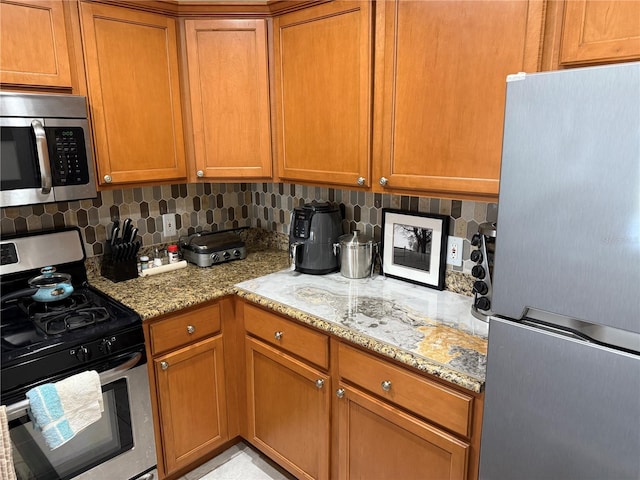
<point x="156" y="295"/>
<point x="430" y="330"/>
<point x="427" y="329"/>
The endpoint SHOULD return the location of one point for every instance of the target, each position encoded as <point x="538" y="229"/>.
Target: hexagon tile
<point x="212" y="207"/>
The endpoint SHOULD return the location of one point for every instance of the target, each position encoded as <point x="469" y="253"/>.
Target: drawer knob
<point x="190" y="329"/>
<point x="278" y="335"/>
<point x="340" y="393"/>
<point x="361" y="180"/>
<point x="384" y="181"/>
<point x="164" y="365"/>
<point x="107" y="179"/>
<point x="320" y="383"/>
<point x="200" y="173"/>
<point x="386" y="385"/>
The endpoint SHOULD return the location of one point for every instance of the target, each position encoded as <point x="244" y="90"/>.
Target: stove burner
<point x="58" y="322"/>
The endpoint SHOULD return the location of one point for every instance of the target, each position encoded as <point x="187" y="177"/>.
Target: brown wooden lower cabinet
<point x="289" y="410"/>
<point x="379" y="441"/>
<point x="189" y="399"/>
<point x="315" y="404"/>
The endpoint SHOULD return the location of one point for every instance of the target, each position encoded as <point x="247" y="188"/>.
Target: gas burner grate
<point x="53" y="323"/>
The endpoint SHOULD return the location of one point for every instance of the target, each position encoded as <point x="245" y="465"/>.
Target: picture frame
<point x="414" y="246"/>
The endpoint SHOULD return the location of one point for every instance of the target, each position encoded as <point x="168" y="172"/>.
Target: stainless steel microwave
<point x="45" y="153"/>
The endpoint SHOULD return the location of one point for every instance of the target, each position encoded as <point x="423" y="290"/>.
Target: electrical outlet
<point x="169" y="225"/>
<point x="454" y="251"/>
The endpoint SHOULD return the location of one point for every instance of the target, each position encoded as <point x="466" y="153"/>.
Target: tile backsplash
<point x="211" y="207"/>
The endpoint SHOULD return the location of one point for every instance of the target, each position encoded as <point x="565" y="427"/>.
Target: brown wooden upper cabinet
<point x="229" y="90"/>
<point x="131" y="58"/>
<point x="440" y="75"/>
<point x="34" y="44"/>
<point x="323" y="61"/>
<point x="595" y="31"/>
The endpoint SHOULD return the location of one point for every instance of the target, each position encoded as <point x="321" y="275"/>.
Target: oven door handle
<point x="18" y="409"/>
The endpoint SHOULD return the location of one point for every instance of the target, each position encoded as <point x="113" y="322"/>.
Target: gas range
<point x="46" y="341"/>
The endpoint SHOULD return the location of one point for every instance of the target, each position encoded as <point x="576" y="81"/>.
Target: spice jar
<point x="172" y="250"/>
<point x="144" y="262"/>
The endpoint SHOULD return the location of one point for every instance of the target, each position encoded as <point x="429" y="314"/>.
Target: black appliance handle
<point x="25" y="292"/>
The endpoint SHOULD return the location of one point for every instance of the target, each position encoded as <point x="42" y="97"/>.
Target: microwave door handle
<point x="43" y="156"/>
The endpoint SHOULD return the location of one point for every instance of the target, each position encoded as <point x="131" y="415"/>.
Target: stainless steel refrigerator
<point x="562" y="394"/>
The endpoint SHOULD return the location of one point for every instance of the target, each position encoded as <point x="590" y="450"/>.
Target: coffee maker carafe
<point x="485" y="241"/>
<point x="315" y="227"/>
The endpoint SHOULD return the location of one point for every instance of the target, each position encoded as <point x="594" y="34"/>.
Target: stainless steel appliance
<point x="482" y="271"/>
<point x="47" y="341"/>
<point x="563" y="368"/>
<point x="209" y="248"/>
<point x="357" y="254"/>
<point x="315" y="227"/>
<point x="46" y="150"/>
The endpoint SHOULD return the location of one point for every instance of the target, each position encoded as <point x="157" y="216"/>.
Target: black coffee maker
<point x="315" y="227"/>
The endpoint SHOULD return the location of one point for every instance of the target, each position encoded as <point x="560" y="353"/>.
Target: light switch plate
<point x="454" y="251"/>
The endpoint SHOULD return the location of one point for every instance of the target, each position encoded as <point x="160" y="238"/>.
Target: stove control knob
<point x="475" y="240"/>
<point x="236" y="253"/>
<point x="105" y="345"/>
<point x="226" y="255"/>
<point x="82" y="353"/>
<point x="215" y="258"/>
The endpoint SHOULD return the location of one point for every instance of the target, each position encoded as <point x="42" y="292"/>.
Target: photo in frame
<point x="414" y="246"/>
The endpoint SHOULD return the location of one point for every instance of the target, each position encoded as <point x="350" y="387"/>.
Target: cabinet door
<point x="600" y="31"/>
<point x="443" y="76"/>
<point x="34" y="44"/>
<point x="323" y="92"/>
<point x="289" y="404"/>
<point x="132" y="74"/>
<point x="378" y="441"/>
<point x="191" y="402"/>
<point x="229" y="87"/>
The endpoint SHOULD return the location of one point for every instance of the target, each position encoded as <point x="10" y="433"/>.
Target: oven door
<point x="119" y="446"/>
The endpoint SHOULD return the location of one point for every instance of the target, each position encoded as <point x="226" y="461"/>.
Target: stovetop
<point x="30" y="327"/>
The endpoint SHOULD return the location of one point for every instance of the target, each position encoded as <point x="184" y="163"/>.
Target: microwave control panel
<point x="67" y="155"/>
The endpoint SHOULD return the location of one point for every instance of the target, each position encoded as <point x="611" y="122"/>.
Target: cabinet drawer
<point x="430" y="400"/>
<point x="297" y="339"/>
<point x="184" y="328"/>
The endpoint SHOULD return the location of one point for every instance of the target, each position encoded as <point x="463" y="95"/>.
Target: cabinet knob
<point x="107" y="178"/>
<point x="278" y="335"/>
<point x="383" y="181"/>
<point x="361" y="180"/>
<point x="320" y="383"/>
<point x="200" y="173"/>
<point x="164" y="365"/>
<point x="340" y="393"/>
<point x="386" y="385"/>
<point x="190" y="329"/>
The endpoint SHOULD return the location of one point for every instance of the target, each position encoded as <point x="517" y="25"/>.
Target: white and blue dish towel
<point x="62" y="409"/>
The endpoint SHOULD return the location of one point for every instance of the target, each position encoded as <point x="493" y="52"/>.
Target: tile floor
<point x="240" y="462"/>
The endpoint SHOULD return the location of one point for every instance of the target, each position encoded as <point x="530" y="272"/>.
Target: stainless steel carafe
<point x="357" y="255"/>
